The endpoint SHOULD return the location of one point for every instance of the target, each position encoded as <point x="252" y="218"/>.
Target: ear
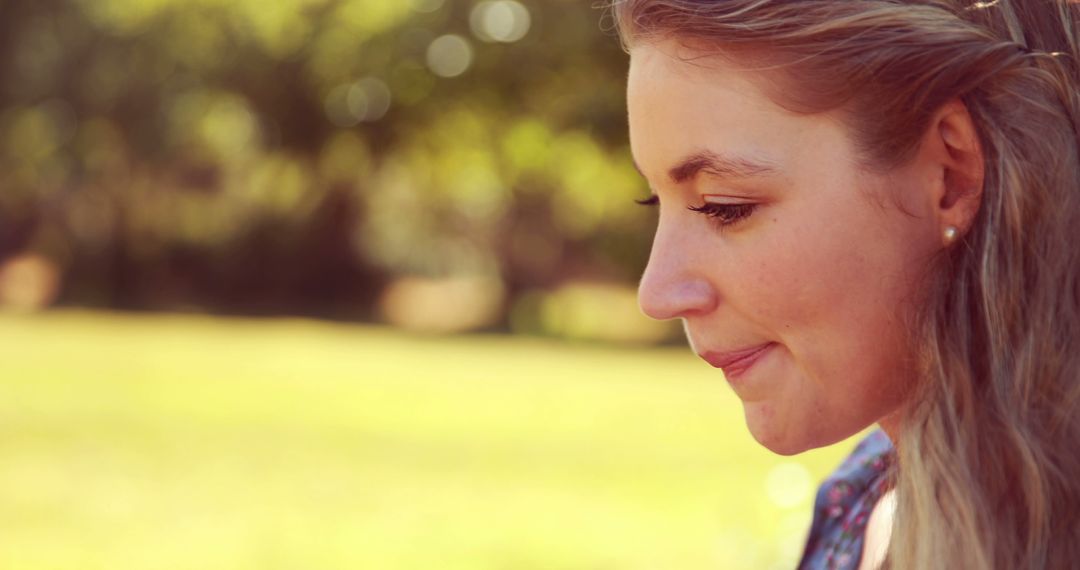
<point x="953" y="145"/>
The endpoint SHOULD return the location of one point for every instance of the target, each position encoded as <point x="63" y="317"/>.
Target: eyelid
<point x="650" y="201"/>
<point x="726" y="200"/>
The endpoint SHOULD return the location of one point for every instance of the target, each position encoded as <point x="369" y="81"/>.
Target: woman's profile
<point x="869" y="214"/>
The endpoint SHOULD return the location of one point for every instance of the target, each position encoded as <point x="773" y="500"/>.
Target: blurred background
<point x="348" y="284"/>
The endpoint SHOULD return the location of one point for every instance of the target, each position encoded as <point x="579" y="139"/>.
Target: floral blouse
<point x="843" y="505"/>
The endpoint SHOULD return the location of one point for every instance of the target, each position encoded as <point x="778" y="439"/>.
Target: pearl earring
<point x="951" y="233"/>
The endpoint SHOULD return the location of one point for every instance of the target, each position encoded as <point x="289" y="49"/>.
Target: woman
<point x="869" y="214"/>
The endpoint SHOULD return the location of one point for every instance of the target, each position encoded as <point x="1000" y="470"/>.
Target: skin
<point x="828" y="264"/>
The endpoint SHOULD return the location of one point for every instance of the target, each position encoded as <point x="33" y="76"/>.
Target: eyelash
<point x="724" y="215"/>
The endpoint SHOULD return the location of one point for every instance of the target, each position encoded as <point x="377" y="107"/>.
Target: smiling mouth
<point x="736" y="362"/>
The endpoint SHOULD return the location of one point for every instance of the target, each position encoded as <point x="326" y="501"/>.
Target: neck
<point x="890" y="424"/>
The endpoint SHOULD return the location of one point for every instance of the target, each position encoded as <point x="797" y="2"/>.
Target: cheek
<point x="801" y="280"/>
<point x="823" y="292"/>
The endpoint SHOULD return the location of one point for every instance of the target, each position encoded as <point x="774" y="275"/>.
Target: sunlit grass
<point x="167" y="442"/>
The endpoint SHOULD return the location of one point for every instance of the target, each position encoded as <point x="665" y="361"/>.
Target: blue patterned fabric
<point x="843" y="505"/>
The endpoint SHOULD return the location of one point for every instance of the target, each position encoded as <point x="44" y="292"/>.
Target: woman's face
<point x="795" y="274"/>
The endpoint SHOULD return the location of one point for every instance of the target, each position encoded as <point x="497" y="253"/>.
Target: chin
<point x="777" y="435"/>
<point x="786" y="446"/>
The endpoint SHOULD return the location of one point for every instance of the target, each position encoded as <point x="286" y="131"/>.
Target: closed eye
<point x="725" y="214"/>
<point x="650" y="201"/>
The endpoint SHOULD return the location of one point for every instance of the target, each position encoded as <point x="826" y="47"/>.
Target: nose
<point x="675" y="283"/>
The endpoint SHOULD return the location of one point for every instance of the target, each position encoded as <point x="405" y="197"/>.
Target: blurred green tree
<point x="298" y="156"/>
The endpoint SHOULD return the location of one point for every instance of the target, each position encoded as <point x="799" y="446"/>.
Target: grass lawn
<point x="179" y="442"/>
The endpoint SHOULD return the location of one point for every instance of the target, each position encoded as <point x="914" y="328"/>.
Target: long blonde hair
<point x="989" y="454"/>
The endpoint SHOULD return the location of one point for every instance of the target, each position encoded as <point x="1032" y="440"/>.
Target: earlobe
<point x="951" y="233"/>
<point x="963" y="169"/>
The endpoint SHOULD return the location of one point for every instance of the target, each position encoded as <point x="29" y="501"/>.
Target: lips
<point x="736" y="362"/>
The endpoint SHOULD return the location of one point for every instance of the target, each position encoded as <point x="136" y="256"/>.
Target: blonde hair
<point x="989" y="454"/>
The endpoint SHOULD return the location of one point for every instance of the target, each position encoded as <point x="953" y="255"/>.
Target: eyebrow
<point x="718" y="165"/>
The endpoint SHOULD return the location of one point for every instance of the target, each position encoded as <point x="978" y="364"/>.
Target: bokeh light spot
<point x="368" y="99"/>
<point x="500" y="21"/>
<point x="442" y="305"/>
<point x="788" y="485"/>
<point x="365" y="100"/>
<point x="449" y="55"/>
<point x="228" y="127"/>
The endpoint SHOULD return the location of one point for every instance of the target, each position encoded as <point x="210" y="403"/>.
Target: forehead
<point x="682" y="101"/>
<point x="672" y="69"/>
